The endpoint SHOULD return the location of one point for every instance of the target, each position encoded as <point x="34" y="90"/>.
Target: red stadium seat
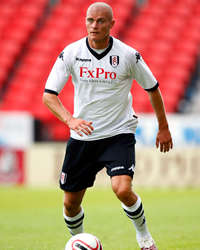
<point x="165" y="32"/>
<point x="168" y="46"/>
<point x="18" y="20"/>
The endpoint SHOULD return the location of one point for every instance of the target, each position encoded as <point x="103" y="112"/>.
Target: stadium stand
<point x="29" y="79"/>
<point x="165" y="32"/>
<point x="18" y="20"/>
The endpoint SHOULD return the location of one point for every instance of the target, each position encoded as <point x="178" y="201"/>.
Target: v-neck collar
<point x="104" y="53"/>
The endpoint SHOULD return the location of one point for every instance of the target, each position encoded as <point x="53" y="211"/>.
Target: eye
<point x="100" y="21"/>
<point x="90" y="20"/>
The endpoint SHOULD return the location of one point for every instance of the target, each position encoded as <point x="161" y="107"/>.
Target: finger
<point x="161" y="147"/>
<point x="78" y="131"/>
<point x="166" y="148"/>
<point x="157" y="142"/>
<point x="85" y="129"/>
<point x="89" y="124"/>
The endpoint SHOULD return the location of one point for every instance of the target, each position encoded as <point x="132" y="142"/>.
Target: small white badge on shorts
<point x="63" y="178"/>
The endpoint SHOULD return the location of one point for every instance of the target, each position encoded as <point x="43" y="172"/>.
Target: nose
<point x="94" y="24"/>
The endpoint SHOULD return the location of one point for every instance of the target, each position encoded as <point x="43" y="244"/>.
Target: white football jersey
<point x="102" y="84"/>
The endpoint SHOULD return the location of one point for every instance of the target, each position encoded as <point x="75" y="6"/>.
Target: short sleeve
<point x="141" y="72"/>
<point x="58" y="76"/>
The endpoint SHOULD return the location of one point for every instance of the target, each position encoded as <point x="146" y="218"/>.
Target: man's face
<point x="98" y="23"/>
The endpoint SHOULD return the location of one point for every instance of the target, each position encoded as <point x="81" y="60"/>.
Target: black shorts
<point x="84" y="159"/>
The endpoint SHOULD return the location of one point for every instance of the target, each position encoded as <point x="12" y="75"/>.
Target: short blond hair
<point x="101" y="5"/>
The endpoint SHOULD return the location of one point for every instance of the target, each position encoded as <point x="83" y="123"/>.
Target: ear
<point x="112" y="23"/>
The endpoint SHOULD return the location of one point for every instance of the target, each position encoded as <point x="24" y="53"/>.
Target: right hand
<point x="80" y="126"/>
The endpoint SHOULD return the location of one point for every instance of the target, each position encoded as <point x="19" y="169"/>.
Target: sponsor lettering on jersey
<point x="83" y="59"/>
<point x="97" y="73"/>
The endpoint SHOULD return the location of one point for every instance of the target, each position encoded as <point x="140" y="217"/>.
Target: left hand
<point x="164" y="140"/>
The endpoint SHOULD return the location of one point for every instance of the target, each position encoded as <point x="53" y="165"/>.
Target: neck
<point x="102" y="44"/>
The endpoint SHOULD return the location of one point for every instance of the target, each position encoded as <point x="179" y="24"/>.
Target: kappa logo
<point x="114" y="61"/>
<point x="132" y="168"/>
<point x="83" y="59"/>
<point x="61" y="56"/>
<point x="138" y="56"/>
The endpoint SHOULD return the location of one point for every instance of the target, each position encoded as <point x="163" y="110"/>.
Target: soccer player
<point x="104" y="123"/>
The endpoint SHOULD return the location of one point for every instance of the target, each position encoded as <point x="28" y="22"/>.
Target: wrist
<point x="68" y="119"/>
<point x="163" y="126"/>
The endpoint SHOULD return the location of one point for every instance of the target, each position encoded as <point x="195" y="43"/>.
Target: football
<point x="83" y="241"/>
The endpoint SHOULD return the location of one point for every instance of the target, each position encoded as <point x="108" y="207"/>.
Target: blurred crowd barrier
<point x="27" y="163"/>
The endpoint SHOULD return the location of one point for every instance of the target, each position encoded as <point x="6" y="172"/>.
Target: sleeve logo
<point x="138" y="56"/>
<point x="61" y="56"/>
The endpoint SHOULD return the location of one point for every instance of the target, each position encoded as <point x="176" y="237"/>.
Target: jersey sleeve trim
<point x="154" y="87"/>
<point x="51" y="91"/>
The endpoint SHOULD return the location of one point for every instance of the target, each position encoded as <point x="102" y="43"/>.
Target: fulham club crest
<point x="63" y="178"/>
<point x="114" y="61"/>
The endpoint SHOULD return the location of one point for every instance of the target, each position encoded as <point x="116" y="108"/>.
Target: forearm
<point x="56" y="107"/>
<point x="158" y="106"/>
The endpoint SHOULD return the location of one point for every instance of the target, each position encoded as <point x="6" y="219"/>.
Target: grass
<point x="31" y="219"/>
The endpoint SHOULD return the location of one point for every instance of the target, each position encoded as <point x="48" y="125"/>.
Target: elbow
<point x="45" y="99"/>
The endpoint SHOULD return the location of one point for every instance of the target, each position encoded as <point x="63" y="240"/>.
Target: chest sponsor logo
<point x="97" y="73"/>
<point x="114" y="61"/>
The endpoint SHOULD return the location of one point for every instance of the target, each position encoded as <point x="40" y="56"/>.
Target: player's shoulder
<point x="128" y="52"/>
<point x="73" y="48"/>
<point x="123" y="46"/>
<point x="76" y="44"/>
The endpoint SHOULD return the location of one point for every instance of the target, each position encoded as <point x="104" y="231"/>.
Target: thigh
<point x="120" y="155"/>
<point x="78" y="170"/>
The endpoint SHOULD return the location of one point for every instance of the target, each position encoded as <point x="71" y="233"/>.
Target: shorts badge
<point x="63" y="178"/>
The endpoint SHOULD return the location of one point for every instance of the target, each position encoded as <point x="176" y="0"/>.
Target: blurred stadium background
<point x="34" y="32"/>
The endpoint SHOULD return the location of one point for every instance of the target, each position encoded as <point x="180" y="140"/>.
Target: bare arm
<point x="54" y="104"/>
<point x="163" y="139"/>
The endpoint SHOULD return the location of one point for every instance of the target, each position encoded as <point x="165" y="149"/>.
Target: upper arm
<point x="141" y="72"/>
<point x="154" y="93"/>
<point x="58" y="75"/>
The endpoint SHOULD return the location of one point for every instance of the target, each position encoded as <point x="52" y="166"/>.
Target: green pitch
<point x="31" y="219"/>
